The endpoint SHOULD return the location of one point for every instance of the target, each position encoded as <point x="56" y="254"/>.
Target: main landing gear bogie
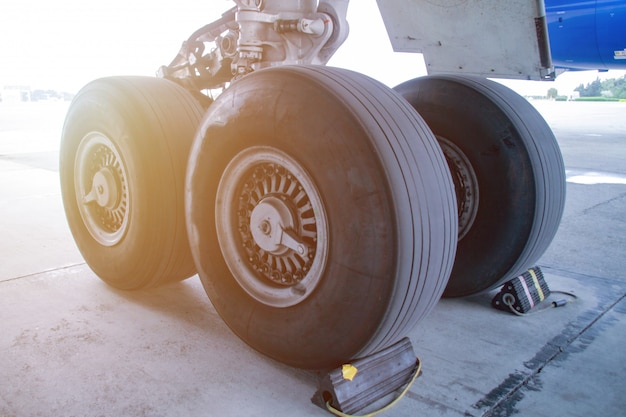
<point x="322" y="214"/>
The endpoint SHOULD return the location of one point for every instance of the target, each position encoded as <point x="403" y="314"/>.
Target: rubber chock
<point x="354" y="386"/>
<point x="523" y="292"/>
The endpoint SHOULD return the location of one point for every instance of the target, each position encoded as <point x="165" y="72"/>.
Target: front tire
<point x="320" y="229"/>
<point x="123" y="158"/>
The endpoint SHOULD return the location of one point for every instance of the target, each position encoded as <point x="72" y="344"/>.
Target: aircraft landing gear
<point x="316" y="204"/>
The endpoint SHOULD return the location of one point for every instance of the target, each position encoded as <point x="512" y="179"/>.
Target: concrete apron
<point x="71" y="345"/>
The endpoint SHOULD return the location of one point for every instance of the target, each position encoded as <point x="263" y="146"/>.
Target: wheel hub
<point x="465" y="184"/>
<point x="276" y="246"/>
<point x="276" y="240"/>
<point x="101" y="185"/>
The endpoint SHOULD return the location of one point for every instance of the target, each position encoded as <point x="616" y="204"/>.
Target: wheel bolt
<point x="265" y="227"/>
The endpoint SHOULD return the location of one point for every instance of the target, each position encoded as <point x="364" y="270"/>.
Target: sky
<point x="64" y="44"/>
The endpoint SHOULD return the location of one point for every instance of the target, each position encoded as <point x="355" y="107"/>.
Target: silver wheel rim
<point x="271" y="226"/>
<point x="465" y="184"/>
<point x="101" y="184"/>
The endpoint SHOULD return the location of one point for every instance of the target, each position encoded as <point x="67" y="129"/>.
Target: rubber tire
<point x="151" y="122"/>
<point x="389" y="200"/>
<point x="519" y="168"/>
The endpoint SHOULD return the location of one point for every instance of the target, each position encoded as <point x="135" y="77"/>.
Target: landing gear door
<point x="491" y="38"/>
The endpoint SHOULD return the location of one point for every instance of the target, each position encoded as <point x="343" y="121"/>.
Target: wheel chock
<point x="522" y="293"/>
<point x="356" y="385"/>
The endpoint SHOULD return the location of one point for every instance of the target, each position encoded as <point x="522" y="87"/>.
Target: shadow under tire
<point x="330" y="156"/>
<point x="510" y="210"/>
<point x="124" y="149"/>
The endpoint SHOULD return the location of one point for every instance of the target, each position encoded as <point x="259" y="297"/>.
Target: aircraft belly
<point x="472" y="36"/>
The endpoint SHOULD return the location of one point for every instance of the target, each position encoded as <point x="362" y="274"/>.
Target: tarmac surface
<point x="72" y="346"/>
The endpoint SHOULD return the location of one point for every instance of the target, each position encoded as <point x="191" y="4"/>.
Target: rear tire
<point x="508" y="170"/>
<point x="123" y="158"/>
<point x="330" y="156"/>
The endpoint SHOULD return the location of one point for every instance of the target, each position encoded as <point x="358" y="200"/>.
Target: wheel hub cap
<point x="104" y="188"/>
<point x="272" y="225"/>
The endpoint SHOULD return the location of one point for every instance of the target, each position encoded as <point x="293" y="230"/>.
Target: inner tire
<point x="331" y="156"/>
<point x="123" y="157"/>
<point x="517" y="196"/>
